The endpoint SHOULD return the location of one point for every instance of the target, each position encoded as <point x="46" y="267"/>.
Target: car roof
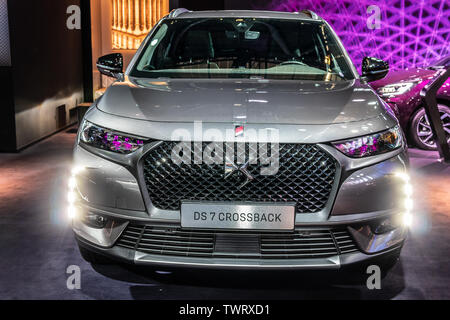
<point x="185" y="14"/>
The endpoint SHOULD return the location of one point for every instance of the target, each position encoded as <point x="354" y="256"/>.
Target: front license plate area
<point x="241" y="216"/>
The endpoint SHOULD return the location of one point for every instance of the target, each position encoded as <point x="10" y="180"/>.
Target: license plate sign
<point x="243" y="216"/>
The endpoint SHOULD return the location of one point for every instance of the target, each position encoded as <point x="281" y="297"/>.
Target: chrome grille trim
<point x="307" y="176"/>
<point x="344" y="241"/>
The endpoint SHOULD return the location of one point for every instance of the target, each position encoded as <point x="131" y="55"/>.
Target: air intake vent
<point x="299" y="244"/>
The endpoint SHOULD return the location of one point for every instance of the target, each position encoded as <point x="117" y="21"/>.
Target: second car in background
<point x="401" y="90"/>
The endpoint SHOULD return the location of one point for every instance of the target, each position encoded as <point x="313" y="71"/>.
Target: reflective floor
<point x="37" y="245"/>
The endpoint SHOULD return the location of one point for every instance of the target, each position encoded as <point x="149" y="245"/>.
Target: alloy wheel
<point x="424" y="132"/>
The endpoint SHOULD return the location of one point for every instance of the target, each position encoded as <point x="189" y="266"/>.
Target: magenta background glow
<point x="413" y="33"/>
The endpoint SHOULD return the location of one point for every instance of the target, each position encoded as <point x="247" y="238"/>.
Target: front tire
<point x="420" y="130"/>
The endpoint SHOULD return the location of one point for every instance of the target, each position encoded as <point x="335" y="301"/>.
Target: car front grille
<point x="298" y="244"/>
<point x="306" y="175"/>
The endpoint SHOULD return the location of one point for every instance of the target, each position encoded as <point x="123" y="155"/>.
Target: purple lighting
<point x="412" y="32"/>
<point x="104" y="139"/>
<point x="370" y="145"/>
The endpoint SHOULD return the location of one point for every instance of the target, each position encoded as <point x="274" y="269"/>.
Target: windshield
<point x="243" y="48"/>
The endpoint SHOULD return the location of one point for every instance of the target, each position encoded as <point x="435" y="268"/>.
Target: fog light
<point x="77" y="170"/>
<point x="71" y="197"/>
<point x="408" y="190"/>
<point x="72" y="212"/>
<point x="407" y="219"/>
<point x="409" y="204"/>
<point x="403" y="175"/>
<point x="95" y="221"/>
<point x="72" y="183"/>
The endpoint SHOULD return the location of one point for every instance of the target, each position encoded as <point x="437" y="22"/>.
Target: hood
<point x="242" y="101"/>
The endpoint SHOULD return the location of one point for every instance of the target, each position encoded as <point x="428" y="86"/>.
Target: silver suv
<point x="241" y="139"/>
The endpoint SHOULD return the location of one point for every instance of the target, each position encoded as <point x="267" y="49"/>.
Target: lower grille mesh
<point x="299" y="244"/>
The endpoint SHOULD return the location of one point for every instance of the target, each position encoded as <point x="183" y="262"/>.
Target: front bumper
<point x="352" y="258"/>
<point x="353" y="239"/>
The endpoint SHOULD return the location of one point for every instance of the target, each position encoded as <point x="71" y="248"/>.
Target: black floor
<point x="37" y="246"/>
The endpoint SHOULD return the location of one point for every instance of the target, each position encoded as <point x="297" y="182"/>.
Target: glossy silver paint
<point x="245" y="101"/>
<point x="106" y="184"/>
<point x="365" y="190"/>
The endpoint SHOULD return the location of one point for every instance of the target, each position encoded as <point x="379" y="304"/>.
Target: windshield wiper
<point x="279" y="62"/>
<point x="288" y="62"/>
<point x="203" y="61"/>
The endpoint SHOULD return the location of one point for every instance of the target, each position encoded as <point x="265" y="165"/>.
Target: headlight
<point x="371" y="145"/>
<point x="395" y="89"/>
<point x="108" y="140"/>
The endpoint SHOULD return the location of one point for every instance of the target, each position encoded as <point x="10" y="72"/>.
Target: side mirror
<point x="111" y="65"/>
<point x="374" y="69"/>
